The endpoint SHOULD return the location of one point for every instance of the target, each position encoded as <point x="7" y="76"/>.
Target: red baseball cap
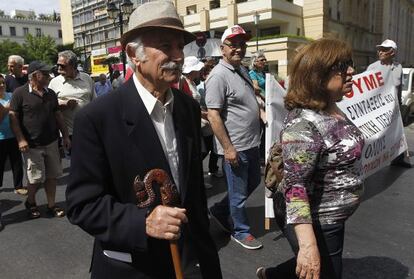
<point x="234" y="31"/>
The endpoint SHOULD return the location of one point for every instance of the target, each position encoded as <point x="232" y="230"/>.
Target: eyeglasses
<point x="384" y="49"/>
<point x="241" y="45"/>
<point x="262" y="60"/>
<point x="61" y="65"/>
<point x="343" y="66"/>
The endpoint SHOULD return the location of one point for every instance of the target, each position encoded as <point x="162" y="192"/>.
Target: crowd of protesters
<point x="171" y="114"/>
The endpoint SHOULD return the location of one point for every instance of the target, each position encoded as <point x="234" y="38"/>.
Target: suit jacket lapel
<point x="184" y="143"/>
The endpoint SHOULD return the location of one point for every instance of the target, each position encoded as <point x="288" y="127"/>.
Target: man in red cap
<point x="144" y="125"/>
<point x="233" y="113"/>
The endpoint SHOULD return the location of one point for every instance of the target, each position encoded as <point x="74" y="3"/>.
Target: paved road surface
<point x="379" y="237"/>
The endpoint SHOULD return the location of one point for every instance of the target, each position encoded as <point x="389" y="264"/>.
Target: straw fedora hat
<point x="154" y="14"/>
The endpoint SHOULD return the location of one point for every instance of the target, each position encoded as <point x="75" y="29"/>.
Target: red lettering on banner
<point x="357" y="83"/>
<point x="370" y="82"/>
<point x="350" y="94"/>
<point x="380" y="79"/>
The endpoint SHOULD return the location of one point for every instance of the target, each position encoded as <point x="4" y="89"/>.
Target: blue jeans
<point x="241" y="182"/>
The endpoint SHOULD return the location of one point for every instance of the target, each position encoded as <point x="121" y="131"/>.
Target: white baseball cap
<point x="234" y="31"/>
<point x="388" y="43"/>
<point x="191" y="63"/>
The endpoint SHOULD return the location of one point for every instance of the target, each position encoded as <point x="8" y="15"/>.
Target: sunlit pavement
<point x="379" y="237"/>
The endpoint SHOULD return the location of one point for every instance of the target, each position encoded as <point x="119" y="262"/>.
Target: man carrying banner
<point x="386" y="52"/>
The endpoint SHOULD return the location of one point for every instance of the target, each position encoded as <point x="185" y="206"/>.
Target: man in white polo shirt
<point x="74" y="89"/>
<point x="386" y="52"/>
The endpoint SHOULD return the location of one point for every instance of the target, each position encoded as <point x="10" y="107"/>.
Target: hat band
<point x="167" y="21"/>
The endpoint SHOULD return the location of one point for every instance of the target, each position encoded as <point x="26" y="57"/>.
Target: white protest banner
<point x="275" y="114"/>
<point x="372" y="106"/>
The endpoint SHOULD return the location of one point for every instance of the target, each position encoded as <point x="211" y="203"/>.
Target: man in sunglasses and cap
<point x="35" y="121"/>
<point x="144" y="125"/>
<point x="386" y="52"/>
<point x="233" y="113"/>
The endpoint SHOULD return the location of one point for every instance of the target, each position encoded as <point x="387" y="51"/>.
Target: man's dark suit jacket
<point x="113" y="141"/>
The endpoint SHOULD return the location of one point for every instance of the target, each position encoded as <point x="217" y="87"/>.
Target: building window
<point x="270" y="31"/>
<point x="214" y="4"/>
<point x="191" y="9"/>
<point x="38" y="32"/>
<point x="298" y="31"/>
<point x="1" y="31"/>
<point x="60" y="34"/>
<point x="12" y="31"/>
<point x="338" y="15"/>
<point x="25" y="31"/>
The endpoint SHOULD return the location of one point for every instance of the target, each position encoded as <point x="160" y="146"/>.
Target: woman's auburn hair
<point x="310" y="72"/>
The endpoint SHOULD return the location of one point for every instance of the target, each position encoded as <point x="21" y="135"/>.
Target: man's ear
<point x="131" y="54"/>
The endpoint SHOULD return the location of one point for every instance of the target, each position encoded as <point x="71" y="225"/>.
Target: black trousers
<point x="10" y="149"/>
<point x="212" y="162"/>
<point x="330" y="240"/>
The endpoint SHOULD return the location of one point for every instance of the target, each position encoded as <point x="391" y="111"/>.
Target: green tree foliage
<point x="8" y="48"/>
<point x="71" y="47"/>
<point x="40" y="48"/>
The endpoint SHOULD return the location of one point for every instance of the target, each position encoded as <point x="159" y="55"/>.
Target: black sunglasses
<point x="343" y="66"/>
<point x="61" y="65"/>
<point x="236" y="46"/>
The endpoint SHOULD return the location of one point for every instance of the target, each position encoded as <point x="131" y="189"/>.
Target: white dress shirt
<point x="161" y="116"/>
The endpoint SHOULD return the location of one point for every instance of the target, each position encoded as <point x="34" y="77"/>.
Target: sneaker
<point x="261" y="273"/>
<point x="217" y="174"/>
<point x="222" y="221"/>
<point x="250" y="242"/>
<point x="21" y="191"/>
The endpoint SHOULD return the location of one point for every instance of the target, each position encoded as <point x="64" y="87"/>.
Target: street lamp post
<point x="256" y="18"/>
<point x="84" y="51"/>
<point x="121" y="13"/>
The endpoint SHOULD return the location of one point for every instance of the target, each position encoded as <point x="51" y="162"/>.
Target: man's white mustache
<point x="172" y="66"/>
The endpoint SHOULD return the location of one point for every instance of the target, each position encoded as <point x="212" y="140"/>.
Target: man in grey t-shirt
<point x="234" y="116"/>
<point x="386" y="53"/>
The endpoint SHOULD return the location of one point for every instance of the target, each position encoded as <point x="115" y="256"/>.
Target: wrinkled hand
<point x="308" y="264"/>
<point x="23" y="145"/>
<point x="230" y="155"/>
<point x="165" y="222"/>
<point x="67" y="143"/>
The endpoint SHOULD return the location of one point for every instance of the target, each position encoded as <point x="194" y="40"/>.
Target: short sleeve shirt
<point x="233" y="94"/>
<point x="5" y="131"/>
<point x="255" y="75"/>
<point x="81" y="89"/>
<point x="12" y="82"/>
<point x="394" y="67"/>
<point x="37" y="117"/>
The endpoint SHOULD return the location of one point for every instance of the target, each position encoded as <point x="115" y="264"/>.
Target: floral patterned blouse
<point x="322" y="167"/>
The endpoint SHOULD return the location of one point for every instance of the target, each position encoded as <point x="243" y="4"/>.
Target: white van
<point x="407" y="96"/>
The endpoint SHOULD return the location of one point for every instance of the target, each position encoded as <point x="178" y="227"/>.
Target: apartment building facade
<point x="280" y="25"/>
<point x="16" y="29"/>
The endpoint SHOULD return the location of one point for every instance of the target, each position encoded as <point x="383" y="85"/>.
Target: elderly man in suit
<point x="144" y="127"/>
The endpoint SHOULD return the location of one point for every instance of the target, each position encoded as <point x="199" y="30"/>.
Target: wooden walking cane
<point x="169" y="197"/>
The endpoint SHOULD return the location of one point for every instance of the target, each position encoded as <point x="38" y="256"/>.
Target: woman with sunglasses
<point x="257" y="75"/>
<point x="321" y="150"/>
